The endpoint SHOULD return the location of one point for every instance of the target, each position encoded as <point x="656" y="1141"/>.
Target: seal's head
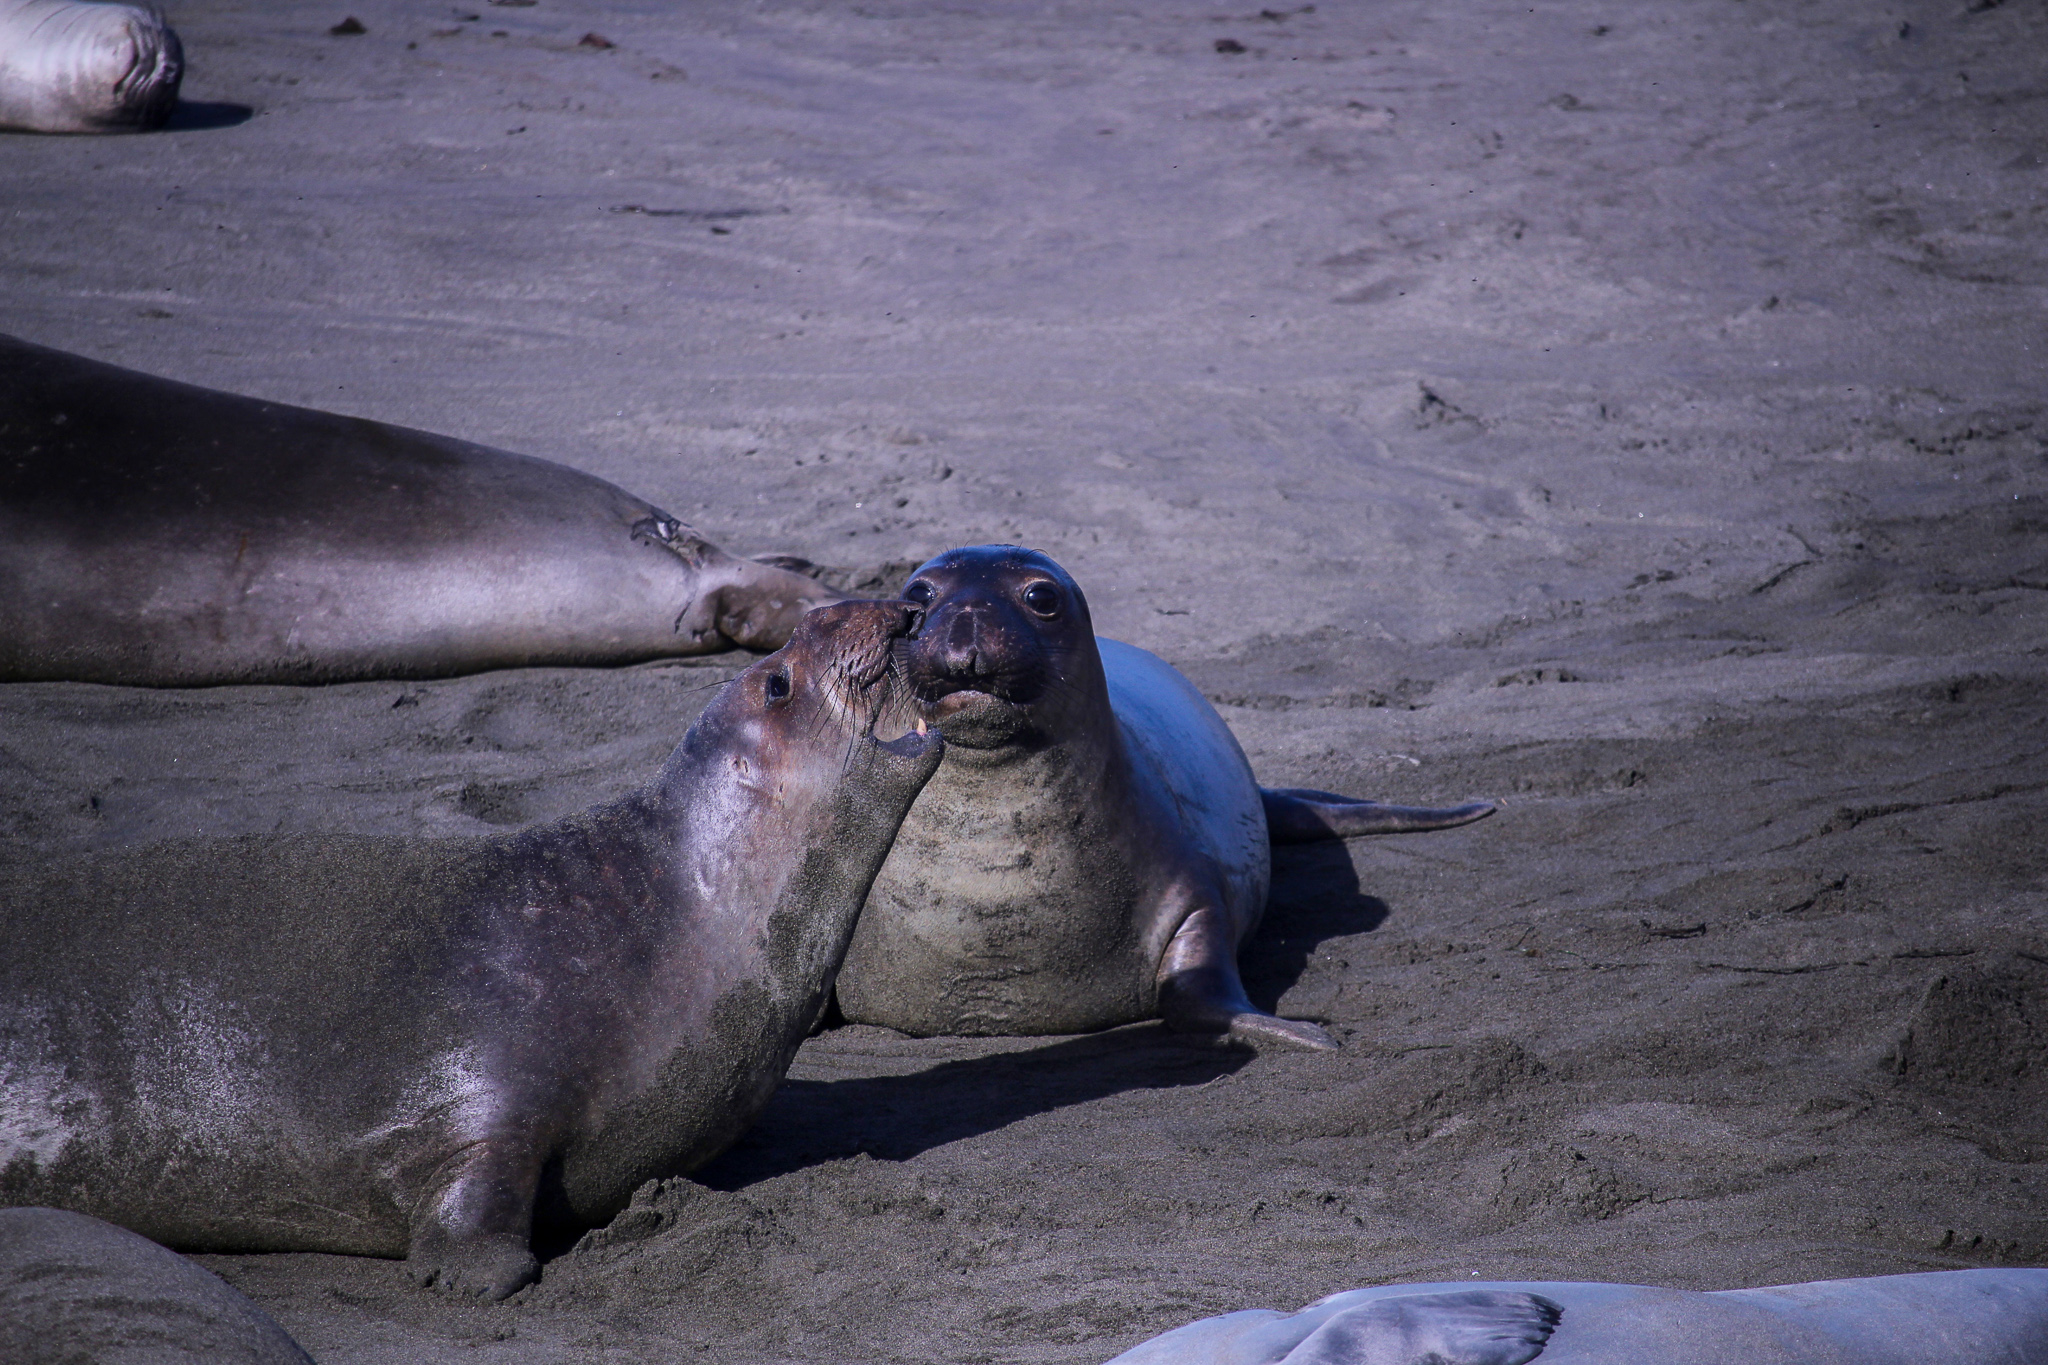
<point x="792" y="741"/>
<point x="1006" y="655"/>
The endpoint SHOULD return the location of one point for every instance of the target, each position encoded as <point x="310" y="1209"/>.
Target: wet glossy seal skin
<point x="72" y="67"/>
<point x="158" y="534"/>
<point x="1951" y="1317"/>
<point x="422" y="1048"/>
<point x="1094" y="849"/>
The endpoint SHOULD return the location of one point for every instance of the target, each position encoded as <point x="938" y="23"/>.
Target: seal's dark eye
<point x="777" y="688"/>
<point x="1043" y="598"/>
<point x="920" y="593"/>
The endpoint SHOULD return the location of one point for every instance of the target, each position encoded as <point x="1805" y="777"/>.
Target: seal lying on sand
<point x="1953" y="1317"/>
<point x="159" y="534"/>
<point x="75" y="1289"/>
<point x="70" y="67"/>
<point x="391" y="1047"/>
<point x="1095" y="847"/>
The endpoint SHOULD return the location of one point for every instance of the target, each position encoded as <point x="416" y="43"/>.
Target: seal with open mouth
<point x="1094" y="849"/>
<point x="158" y="534"/>
<point x="423" y="1048"/>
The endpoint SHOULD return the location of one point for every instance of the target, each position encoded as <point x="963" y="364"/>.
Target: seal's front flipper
<point x="473" y="1235"/>
<point x="761" y="604"/>
<point x="1477" y="1327"/>
<point x="752" y="603"/>
<point x="1201" y="992"/>
<point x="1300" y="815"/>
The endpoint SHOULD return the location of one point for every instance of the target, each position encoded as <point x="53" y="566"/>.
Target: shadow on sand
<point x="1315" y="897"/>
<point x="896" y="1117"/>
<point x="192" y="116"/>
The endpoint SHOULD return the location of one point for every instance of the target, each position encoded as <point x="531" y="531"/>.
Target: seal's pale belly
<point x="1036" y="894"/>
<point x="1000" y="911"/>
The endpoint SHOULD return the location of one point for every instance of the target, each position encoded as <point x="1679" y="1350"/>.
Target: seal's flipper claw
<point x="488" y="1268"/>
<point x="1300" y="815"/>
<point x="1477" y="1327"/>
<point x="793" y="563"/>
<point x="1259" y="1029"/>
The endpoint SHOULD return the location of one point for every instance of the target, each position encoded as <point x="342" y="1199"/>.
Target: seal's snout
<point x="972" y="643"/>
<point x="964" y="653"/>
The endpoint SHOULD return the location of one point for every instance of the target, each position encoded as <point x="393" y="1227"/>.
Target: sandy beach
<point x="1635" y="414"/>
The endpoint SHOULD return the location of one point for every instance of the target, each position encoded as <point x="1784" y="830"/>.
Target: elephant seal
<point x="425" y="1048"/>
<point x="72" y="67"/>
<point x="1094" y="849"/>
<point x="159" y="534"/>
<point x="75" y="1289"/>
<point x="1951" y="1317"/>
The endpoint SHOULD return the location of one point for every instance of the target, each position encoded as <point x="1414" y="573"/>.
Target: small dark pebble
<point x="596" y="40"/>
<point x="348" y="28"/>
<point x="1229" y="46"/>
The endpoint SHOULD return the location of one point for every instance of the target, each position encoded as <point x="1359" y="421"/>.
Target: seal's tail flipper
<point x="1201" y="992"/>
<point x="1300" y="815"/>
<point x="1477" y="1327"/>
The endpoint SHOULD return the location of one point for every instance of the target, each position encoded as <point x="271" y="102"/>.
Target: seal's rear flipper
<point x="1300" y="815"/>
<point x="1478" y="1327"/>
<point x="1201" y="992"/>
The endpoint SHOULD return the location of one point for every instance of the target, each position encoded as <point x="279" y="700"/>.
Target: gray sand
<point x="1635" y="412"/>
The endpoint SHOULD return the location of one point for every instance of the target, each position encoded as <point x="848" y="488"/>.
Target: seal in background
<point x="73" y="67"/>
<point x="159" y="534"/>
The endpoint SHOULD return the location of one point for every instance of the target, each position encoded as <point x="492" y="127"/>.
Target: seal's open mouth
<point x="938" y="691"/>
<point x="965" y="702"/>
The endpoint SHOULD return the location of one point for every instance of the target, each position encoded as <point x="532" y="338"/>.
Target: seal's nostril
<point x="913" y="621"/>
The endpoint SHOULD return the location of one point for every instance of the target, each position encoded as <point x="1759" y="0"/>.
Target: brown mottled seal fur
<point x="420" y="1048"/>
<point x="159" y="534"/>
<point x="1094" y="849"/>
